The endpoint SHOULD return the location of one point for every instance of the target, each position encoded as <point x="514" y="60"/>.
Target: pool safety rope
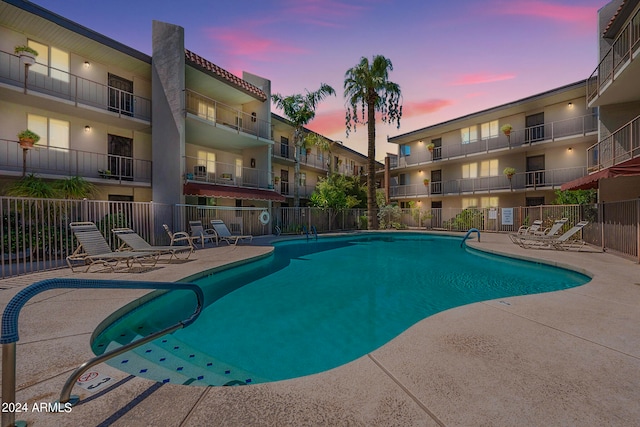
<point x="10" y="337"/>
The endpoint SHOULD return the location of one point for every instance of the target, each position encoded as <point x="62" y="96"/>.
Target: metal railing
<point x="622" y="50"/>
<point x="71" y="87"/>
<point x="546" y="179"/>
<point x="221" y="114"/>
<point x="35" y="234"/>
<point x="10" y="335"/>
<point x="226" y="174"/>
<point x="574" y="127"/>
<point x="65" y="162"/>
<point x="620" y="146"/>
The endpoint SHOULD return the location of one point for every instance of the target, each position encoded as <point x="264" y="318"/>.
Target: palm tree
<point x="300" y="110"/>
<point x="313" y="139"/>
<point x="367" y="86"/>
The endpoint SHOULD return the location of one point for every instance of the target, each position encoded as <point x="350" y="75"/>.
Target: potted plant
<point x="27" y="138"/>
<point x="425" y="181"/>
<point x="506" y="129"/>
<point x="431" y="146"/>
<point x="276" y="179"/>
<point x="27" y="54"/>
<point x="509" y="172"/>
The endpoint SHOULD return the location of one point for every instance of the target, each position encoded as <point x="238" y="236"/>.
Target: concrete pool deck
<point x="570" y="357"/>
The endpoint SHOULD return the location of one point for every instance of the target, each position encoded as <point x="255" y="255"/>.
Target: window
<point x="206" y="111"/>
<point x="469" y="134"/>
<point x="284" y="147"/>
<point x="238" y="168"/>
<point x="303" y="179"/>
<point x="489" y="130"/>
<point x="53" y="133"/>
<point x="469" y="202"/>
<point x="489" y="202"/>
<point x="405" y="150"/>
<point x="50" y="61"/>
<point x="489" y="167"/>
<point x="403" y="179"/>
<point x="470" y="170"/>
<point x="207" y="159"/>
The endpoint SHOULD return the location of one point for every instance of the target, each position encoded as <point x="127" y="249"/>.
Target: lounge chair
<point x="132" y="241"/>
<point x="198" y="232"/>
<point x="530" y="229"/>
<point x="524" y="239"/>
<point x="563" y="242"/>
<point x="94" y="249"/>
<point x="220" y="228"/>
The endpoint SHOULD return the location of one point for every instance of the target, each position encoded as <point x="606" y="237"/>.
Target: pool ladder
<point x="466" y="236"/>
<point x="10" y="336"/>
<point x="313" y="231"/>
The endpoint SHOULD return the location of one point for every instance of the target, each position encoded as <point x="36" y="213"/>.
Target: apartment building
<point x="88" y="97"/>
<point x="316" y="161"/>
<point x="614" y="161"/>
<point x="461" y="163"/>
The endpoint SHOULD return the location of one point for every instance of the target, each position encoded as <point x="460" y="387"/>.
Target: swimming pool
<point x="315" y="305"/>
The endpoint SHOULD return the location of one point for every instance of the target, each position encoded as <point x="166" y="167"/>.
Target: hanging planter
<point x="431" y="146"/>
<point x="506" y="129"/>
<point x="425" y="181"/>
<point x="27" y="54"/>
<point x="28" y="138"/>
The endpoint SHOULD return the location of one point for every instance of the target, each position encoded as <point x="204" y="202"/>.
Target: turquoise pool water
<point x="315" y="305"/>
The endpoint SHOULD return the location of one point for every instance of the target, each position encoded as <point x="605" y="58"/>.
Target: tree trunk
<point x="372" y="211"/>
<point x="297" y="143"/>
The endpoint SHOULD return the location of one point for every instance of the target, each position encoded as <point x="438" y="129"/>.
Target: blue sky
<point x="450" y="58"/>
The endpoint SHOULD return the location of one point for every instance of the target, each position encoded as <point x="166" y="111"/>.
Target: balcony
<point x="536" y="180"/>
<point x="286" y="189"/>
<point x="620" y="146"/>
<point x="74" y="90"/>
<point x="226" y="174"/>
<point x="613" y="81"/>
<point x="62" y="163"/>
<point x="569" y="128"/>
<point x="229" y="118"/>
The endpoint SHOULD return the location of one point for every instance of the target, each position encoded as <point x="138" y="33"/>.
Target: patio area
<point x="570" y="357"/>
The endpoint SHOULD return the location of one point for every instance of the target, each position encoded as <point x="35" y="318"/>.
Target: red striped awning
<point x="231" y="192"/>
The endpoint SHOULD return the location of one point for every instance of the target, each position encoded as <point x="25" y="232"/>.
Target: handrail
<point x="10" y="336"/>
<point x="466" y="236"/>
<point x="315" y="231"/>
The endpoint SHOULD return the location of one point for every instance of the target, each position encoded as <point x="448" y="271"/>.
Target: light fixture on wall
<point x="87" y="64"/>
<point x="570" y="149"/>
<point x="570" y="105"/>
<point x="87" y="129"/>
<point x="420" y="171"/>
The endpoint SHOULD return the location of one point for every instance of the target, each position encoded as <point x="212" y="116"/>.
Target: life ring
<point x="264" y="218"/>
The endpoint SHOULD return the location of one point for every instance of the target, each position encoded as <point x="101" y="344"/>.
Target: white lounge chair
<point x="94" y="249"/>
<point x="530" y="229"/>
<point x="525" y="240"/>
<point x="563" y="242"/>
<point x="132" y="241"/>
<point x="178" y="236"/>
<point x="223" y="233"/>
<point x="198" y="232"/>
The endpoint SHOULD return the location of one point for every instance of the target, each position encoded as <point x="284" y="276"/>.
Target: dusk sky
<point x="450" y="58"/>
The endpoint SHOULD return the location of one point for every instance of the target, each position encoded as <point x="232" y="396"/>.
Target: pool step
<point x="168" y="355"/>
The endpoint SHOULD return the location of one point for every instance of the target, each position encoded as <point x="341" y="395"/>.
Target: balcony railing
<point x="620" y="146"/>
<point x="64" y="162"/>
<point x="577" y="126"/>
<point x="221" y="114"/>
<point x="621" y="51"/>
<point x="226" y="174"/>
<point x="543" y="179"/>
<point x="73" y="88"/>
<point x="286" y="189"/>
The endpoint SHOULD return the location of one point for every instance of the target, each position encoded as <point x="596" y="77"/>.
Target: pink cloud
<point x="236" y="42"/>
<point x="580" y="15"/>
<point x="475" y="94"/>
<point x="329" y="123"/>
<point x="411" y="109"/>
<point x="479" y="78"/>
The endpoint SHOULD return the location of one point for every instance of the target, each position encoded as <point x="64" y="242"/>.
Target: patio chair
<point x="94" y="249"/>
<point x="223" y="233"/>
<point x="563" y="242"/>
<point x="530" y="229"/>
<point x="132" y="241"/>
<point x="198" y="232"/>
<point x="178" y="236"/>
